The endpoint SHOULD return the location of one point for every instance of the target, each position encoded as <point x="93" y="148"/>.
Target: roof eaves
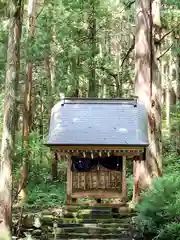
<point x="101" y="145"/>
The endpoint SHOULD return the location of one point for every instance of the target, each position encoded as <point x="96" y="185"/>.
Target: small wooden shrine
<point x="98" y="136"/>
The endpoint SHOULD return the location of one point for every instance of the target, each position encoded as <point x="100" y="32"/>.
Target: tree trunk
<point x="27" y="114"/>
<point x="50" y="62"/>
<point x="49" y="85"/>
<point x="167" y="100"/>
<point x="8" y="135"/>
<point x="169" y="88"/>
<point x="92" y="92"/>
<point x="156" y="94"/>
<point x="143" y="81"/>
<point x="75" y="71"/>
<point x="178" y="105"/>
<point x="148" y="86"/>
<point x="51" y="72"/>
<point x="54" y="167"/>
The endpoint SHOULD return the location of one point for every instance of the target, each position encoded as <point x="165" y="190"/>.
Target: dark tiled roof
<point x="98" y="121"/>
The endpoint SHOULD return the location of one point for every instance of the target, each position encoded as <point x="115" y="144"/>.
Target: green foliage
<point x="43" y="192"/>
<point x="38" y="154"/>
<point x="170" y="231"/>
<point x="173" y="3"/>
<point x="46" y="194"/>
<point x="129" y="181"/>
<point x="3" y="47"/>
<point x="171" y="13"/>
<point x="160" y="205"/>
<point x="62" y="33"/>
<point x="171" y="162"/>
<point x="159" y="209"/>
<point x="170" y="135"/>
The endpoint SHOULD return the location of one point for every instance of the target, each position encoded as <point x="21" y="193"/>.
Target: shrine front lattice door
<point x="99" y="178"/>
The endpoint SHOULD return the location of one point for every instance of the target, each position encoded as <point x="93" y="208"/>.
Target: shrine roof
<point x="81" y="121"/>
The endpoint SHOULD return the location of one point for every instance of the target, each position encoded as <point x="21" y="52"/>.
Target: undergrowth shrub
<point x="171" y="163"/>
<point x="47" y="194"/>
<point x="129" y="181"/>
<point x="158" y="213"/>
<point x="170" y="231"/>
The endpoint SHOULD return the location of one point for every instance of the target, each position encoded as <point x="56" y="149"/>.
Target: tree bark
<point x="156" y="93"/>
<point x="169" y="89"/>
<point x="49" y="83"/>
<point x="178" y="105"/>
<point x="148" y="86"/>
<point x="75" y="69"/>
<point x="143" y="57"/>
<point x="9" y="125"/>
<point x="167" y="100"/>
<point x="92" y="92"/>
<point x="54" y="167"/>
<point x="50" y="62"/>
<point x="27" y="114"/>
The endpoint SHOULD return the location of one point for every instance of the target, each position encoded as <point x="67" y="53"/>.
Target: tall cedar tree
<point x="156" y="93"/>
<point x="148" y="89"/>
<point x="27" y="114"/>
<point x="92" y="92"/>
<point x="143" y="81"/>
<point x="10" y="108"/>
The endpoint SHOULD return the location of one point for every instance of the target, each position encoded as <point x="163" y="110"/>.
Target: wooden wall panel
<point x="101" y="178"/>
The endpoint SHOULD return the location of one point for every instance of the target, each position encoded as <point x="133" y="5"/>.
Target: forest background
<point x="86" y="49"/>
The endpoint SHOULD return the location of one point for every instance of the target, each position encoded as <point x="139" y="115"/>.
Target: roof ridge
<point x="103" y="99"/>
<point x="127" y="101"/>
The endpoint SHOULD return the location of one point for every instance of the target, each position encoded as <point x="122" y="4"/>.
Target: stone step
<point x="82" y="231"/>
<point x="29" y="221"/>
<point x="48" y="221"/>
<point x="88" y="215"/>
<point x="89" y="236"/>
<point x="87" y="228"/>
<point x="90" y="208"/>
<point x="93" y="230"/>
<point x="122" y="238"/>
<point x="97" y="222"/>
<point x="123" y="208"/>
<point x="95" y="204"/>
<point x="122" y="225"/>
<point x="79" y="233"/>
<point x="97" y="216"/>
<point x="38" y="236"/>
<point x="82" y="213"/>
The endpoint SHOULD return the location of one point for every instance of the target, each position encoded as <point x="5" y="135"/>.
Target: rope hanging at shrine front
<point x="86" y="164"/>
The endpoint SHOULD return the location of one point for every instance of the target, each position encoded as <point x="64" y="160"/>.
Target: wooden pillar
<point x="54" y="166"/>
<point x="124" y="185"/>
<point x="69" y="181"/>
